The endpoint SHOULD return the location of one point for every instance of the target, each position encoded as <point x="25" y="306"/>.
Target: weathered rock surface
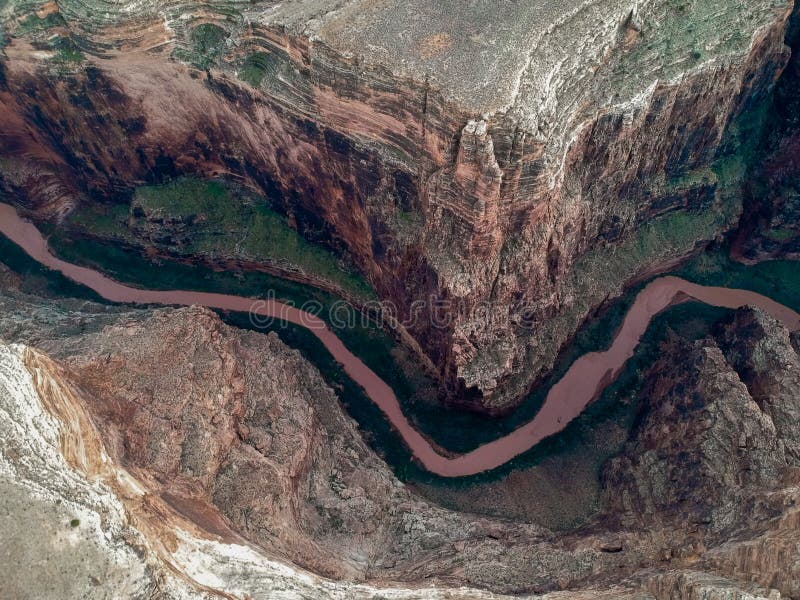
<point x="693" y="585"/>
<point x="488" y="154"/>
<point x="240" y="435"/>
<point x="237" y="421"/>
<point x="77" y="524"/>
<point x="226" y="449"/>
<point x="702" y="446"/>
<point x="715" y="455"/>
<point x="761" y="351"/>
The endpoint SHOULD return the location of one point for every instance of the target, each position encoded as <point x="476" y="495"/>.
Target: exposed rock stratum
<point x="478" y="157"/>
<point x="199" y="460"/>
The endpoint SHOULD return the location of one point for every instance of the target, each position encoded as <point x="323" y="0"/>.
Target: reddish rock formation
<point x="769" y="227"/>
<point x="523" y="177"/>
<point x="229" y="438"/>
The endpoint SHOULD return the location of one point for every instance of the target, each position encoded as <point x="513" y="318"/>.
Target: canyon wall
<point x="509" y="168"/>
<point x="78" y="524"/>
<point x="769" y="225"/>
<point x="164" y="454"/>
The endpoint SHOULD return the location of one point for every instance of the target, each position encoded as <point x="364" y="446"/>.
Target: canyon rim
<point x="511" y="178"/>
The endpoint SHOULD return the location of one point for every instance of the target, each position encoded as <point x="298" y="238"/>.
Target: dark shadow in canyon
<point x="594" y="437"/>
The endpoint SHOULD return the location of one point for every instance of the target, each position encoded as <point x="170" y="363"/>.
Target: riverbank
<point x="582" y="384"/>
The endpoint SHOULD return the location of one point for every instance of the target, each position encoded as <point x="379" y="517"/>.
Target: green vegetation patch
<point x="255" y="68"/>
<point x="33" y="22"/>
<point x="776" y="279"/>
<point x="66" y="50"/>
<point x="781" y="235"/>
<point x="220" y="223"/>
<point x="194" y="217"/>
<point x="104" y="220"/>
<point x="208" y="38"/>
<point x="186" y="198"/>
<point x="207" y="43"/>
<point x="274" y="70"/>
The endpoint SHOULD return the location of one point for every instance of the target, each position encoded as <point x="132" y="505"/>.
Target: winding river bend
<point x="581" y="384"/>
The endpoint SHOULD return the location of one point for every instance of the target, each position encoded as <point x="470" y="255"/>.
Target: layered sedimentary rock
<point x="191" y="452"/>
<point x="486" y="161"/>
<point x="714" y="452"/>
<point x="696" y="585"/>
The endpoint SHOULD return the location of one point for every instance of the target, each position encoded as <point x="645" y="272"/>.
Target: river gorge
<point x="582" y="383"/>
<point x="421" y="300"/>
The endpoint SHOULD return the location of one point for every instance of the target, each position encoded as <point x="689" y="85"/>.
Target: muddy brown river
<point x="581" y="384"/>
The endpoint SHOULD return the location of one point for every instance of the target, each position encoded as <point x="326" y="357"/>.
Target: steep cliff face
<point x="203" y="461"/>
<point x="714" y="453"/>
<point x="507" y="166"/>
<point x="772" y="195"/>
